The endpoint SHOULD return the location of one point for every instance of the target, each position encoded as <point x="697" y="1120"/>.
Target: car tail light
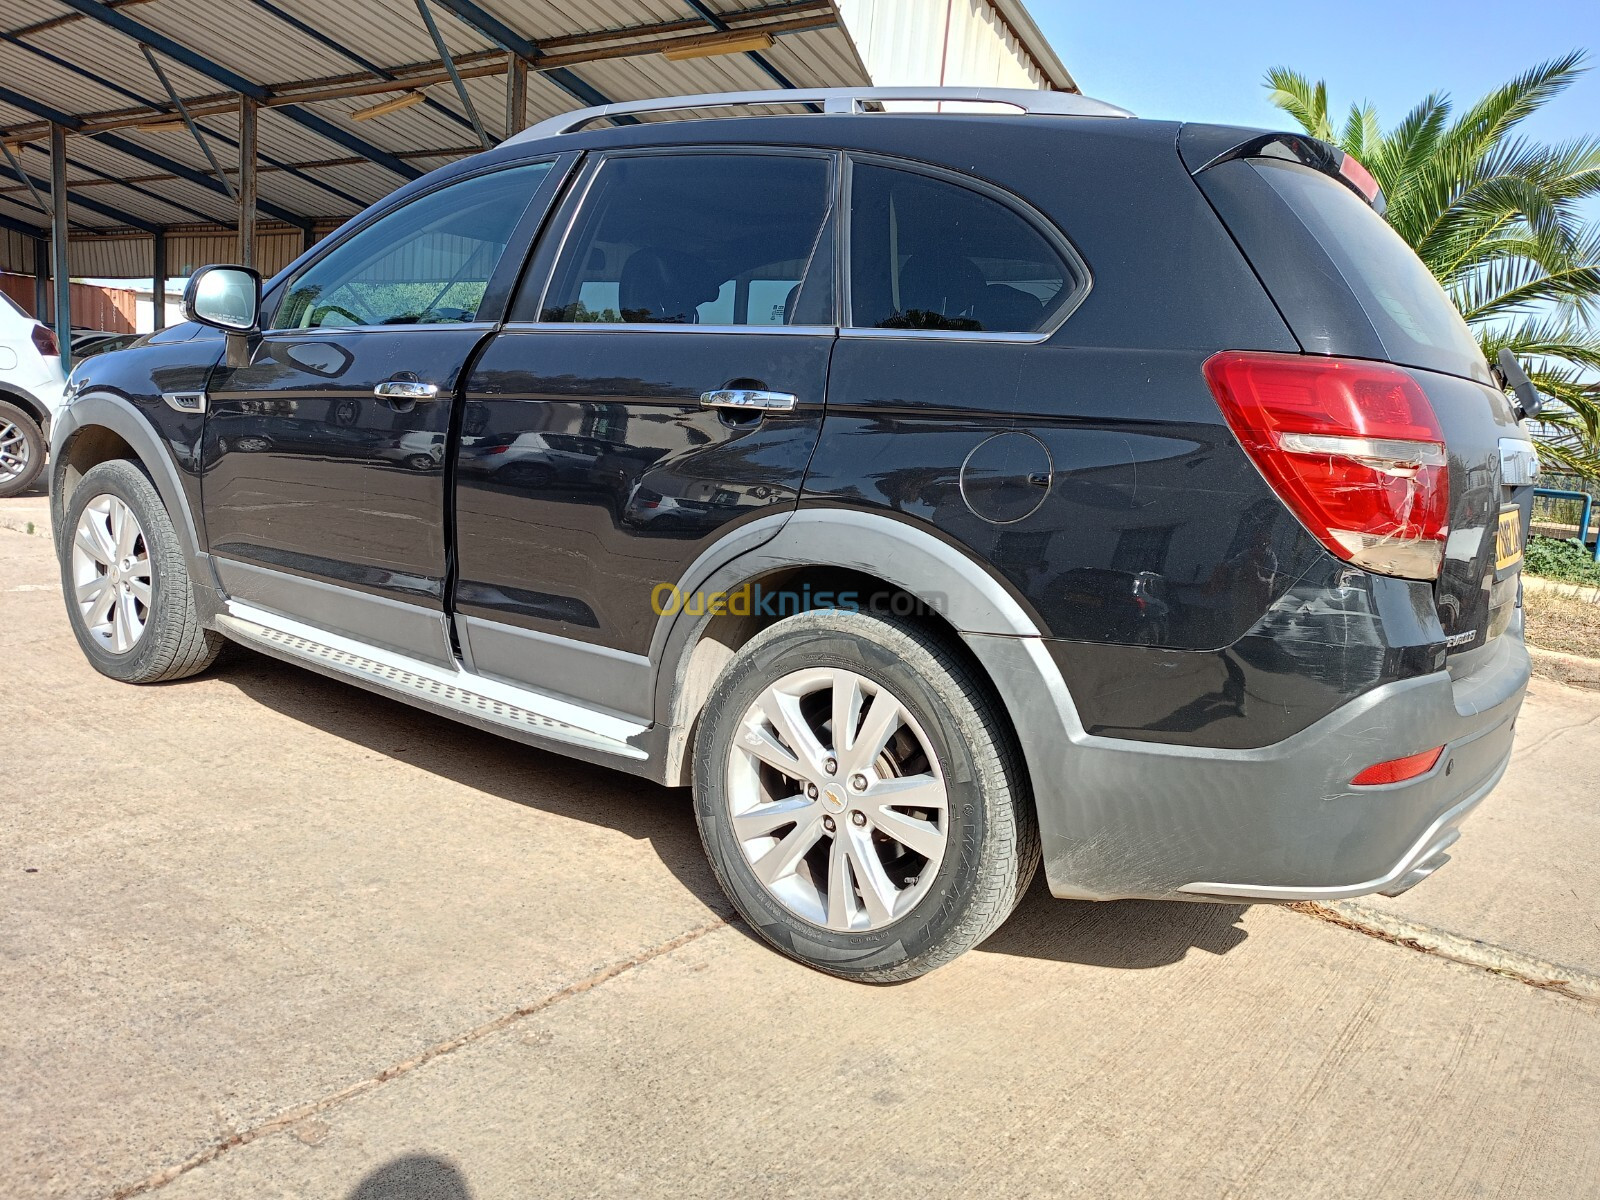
<point x="1398" y="770"/>
<point x="44" y="341"/>
<point x="1352" y="447"/>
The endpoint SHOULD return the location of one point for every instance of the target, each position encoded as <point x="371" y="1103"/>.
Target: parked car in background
<point x="926" y="489"/>
<point x="102" y="344"/>
<point x="31" y="382"/>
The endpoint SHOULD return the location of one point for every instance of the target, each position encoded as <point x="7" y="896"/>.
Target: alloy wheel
<point x="837" y="799"/>
<point x="111" y="574"/>
<point x="15" y="453"/>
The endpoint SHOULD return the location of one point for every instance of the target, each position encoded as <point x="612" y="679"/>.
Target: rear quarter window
<point x="1411" y="313"/>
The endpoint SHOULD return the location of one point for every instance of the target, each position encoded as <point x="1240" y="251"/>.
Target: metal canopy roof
<point x="91" y="66"/>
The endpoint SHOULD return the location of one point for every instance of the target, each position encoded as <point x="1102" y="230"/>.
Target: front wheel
<point x="859" y="796"/>
<point x="126" y="581"/>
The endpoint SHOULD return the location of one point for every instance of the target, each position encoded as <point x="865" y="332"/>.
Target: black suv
<point x="921" y="487"/>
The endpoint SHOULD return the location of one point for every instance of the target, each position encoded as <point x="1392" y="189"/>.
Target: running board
<point x="460" y="693"/>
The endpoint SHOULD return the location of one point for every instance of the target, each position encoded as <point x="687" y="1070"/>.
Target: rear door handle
<point x="406" y="389"/>
<point x="749" y="400"/>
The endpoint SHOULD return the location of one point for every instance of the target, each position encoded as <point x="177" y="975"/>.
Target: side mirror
<point x="227" y="298"/>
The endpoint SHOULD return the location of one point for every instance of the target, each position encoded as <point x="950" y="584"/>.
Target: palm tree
<point x="1496" y="219"/>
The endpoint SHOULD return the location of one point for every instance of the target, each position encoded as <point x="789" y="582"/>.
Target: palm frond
<point x="1306" y="102"/>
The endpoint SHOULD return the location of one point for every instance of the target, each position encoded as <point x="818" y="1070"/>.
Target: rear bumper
<point x="1123" y="819"/>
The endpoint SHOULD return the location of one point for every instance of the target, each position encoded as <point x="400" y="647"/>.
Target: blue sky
<point x="1194" y="61"/>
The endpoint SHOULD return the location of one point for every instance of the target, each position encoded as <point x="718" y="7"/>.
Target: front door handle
<point x="406" y="389"/>
<point x="749" y="400"/>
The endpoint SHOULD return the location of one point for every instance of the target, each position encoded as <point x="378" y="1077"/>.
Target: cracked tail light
<point x="1352" y="447"/>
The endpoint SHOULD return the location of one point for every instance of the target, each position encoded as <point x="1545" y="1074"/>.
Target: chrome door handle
<point x="749" y="400"/>
<point x="406" y="389"/>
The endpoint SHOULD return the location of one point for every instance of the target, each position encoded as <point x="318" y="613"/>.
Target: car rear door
<point x="593" y="469"/>
<point x="324" y="488"/>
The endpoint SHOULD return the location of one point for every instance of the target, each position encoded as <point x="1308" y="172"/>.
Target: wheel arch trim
<point x="115" y="414"/>
<point x="953" y="583"/>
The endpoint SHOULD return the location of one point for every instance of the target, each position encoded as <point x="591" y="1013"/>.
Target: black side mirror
<point x="1529" y="402"/>
<point x="226" y="298"/>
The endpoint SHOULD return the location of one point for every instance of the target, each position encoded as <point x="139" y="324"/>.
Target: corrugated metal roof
<point x="321" y="168"/>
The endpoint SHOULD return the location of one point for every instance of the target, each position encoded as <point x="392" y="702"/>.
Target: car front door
<point x="324" y="488"/>
<point x="660" y="382"/>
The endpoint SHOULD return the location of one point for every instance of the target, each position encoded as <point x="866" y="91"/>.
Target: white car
<point x="31" y="386"/>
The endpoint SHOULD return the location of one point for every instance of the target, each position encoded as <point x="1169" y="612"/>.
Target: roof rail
<point x="833" y="100"/>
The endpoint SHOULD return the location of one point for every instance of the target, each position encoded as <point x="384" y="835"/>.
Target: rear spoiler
<point x="1205" y="146"/>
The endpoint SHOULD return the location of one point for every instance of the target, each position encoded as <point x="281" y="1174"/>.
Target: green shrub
<point x="1569" y="561"/>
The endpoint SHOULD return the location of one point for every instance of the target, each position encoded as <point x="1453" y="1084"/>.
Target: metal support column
<point x="60" y="268"/>
<point x="308" y="238"/>
<point x="247" y="181"/>
<point x="41" y="279"/>
<point x="516" y="96"/>
<point x="158" y="279"/>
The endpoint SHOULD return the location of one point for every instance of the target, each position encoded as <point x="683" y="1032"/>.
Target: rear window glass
<point x="929" y="254"/>
<point x="1410" y="312"/>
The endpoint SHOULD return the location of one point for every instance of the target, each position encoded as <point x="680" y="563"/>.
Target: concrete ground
<point x="266" y="935"/>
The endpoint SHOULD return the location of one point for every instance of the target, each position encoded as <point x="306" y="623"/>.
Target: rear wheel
<point x="126" y="581"/>
<point x="859" y="798"/>
<point x="22" y="450"/>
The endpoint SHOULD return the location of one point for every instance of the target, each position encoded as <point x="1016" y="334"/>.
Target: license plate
<point x="1508" y="539"/>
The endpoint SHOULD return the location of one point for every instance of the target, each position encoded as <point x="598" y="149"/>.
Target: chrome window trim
<point x="645" y="327"/>
<point x="346" y="330"/>
<point x="577" y="202"/>
<point x="1032" y="216"/>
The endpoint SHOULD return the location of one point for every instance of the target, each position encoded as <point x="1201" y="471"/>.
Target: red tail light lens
<point x="1361" y="179"/>
<point x="1398" y="770"/>
<point x="1353" y="448"/>
<point x="44" y="340"/>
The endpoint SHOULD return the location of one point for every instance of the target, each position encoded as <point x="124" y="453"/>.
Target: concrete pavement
<point x="263" y="934"/>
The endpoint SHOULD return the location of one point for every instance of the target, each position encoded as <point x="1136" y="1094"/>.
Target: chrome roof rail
<point x="832" y="100"/>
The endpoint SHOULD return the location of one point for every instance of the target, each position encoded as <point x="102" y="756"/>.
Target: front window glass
<point x="926" y="253"/>
<point x="700" y="239"/>
<point x="427" y="263"/>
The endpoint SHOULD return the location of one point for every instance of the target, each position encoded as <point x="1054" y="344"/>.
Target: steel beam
<point x="111" y="85"/>
<point x="183" y="111"/>
<point x="61" y="269"/>
<point x="516" y="95"/>
<point x="233" y="81"/>
<point x="95" y="206"/>
<point x="62" y="120"/>
<point x="41" y="277"/>
<point x="502" y="35"/>
<point x="322" y="39"/>
<point x="158" y="279"/>
<point x="455" y="76"/>
<point x="16" y="167"/>
<point x="716" y="22"/>
<point x="247" y="181"/>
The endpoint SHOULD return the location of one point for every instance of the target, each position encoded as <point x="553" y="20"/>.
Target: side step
<point x="524" y="714"/>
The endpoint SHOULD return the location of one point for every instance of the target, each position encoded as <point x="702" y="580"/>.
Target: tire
<point x="949" y="734"/>
<point x="170" y="642"/>
<point x="22" y="450"/>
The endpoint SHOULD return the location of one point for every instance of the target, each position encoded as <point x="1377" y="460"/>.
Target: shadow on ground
<point x="1131" y="934"/>
<point x="414" y="1177"/>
